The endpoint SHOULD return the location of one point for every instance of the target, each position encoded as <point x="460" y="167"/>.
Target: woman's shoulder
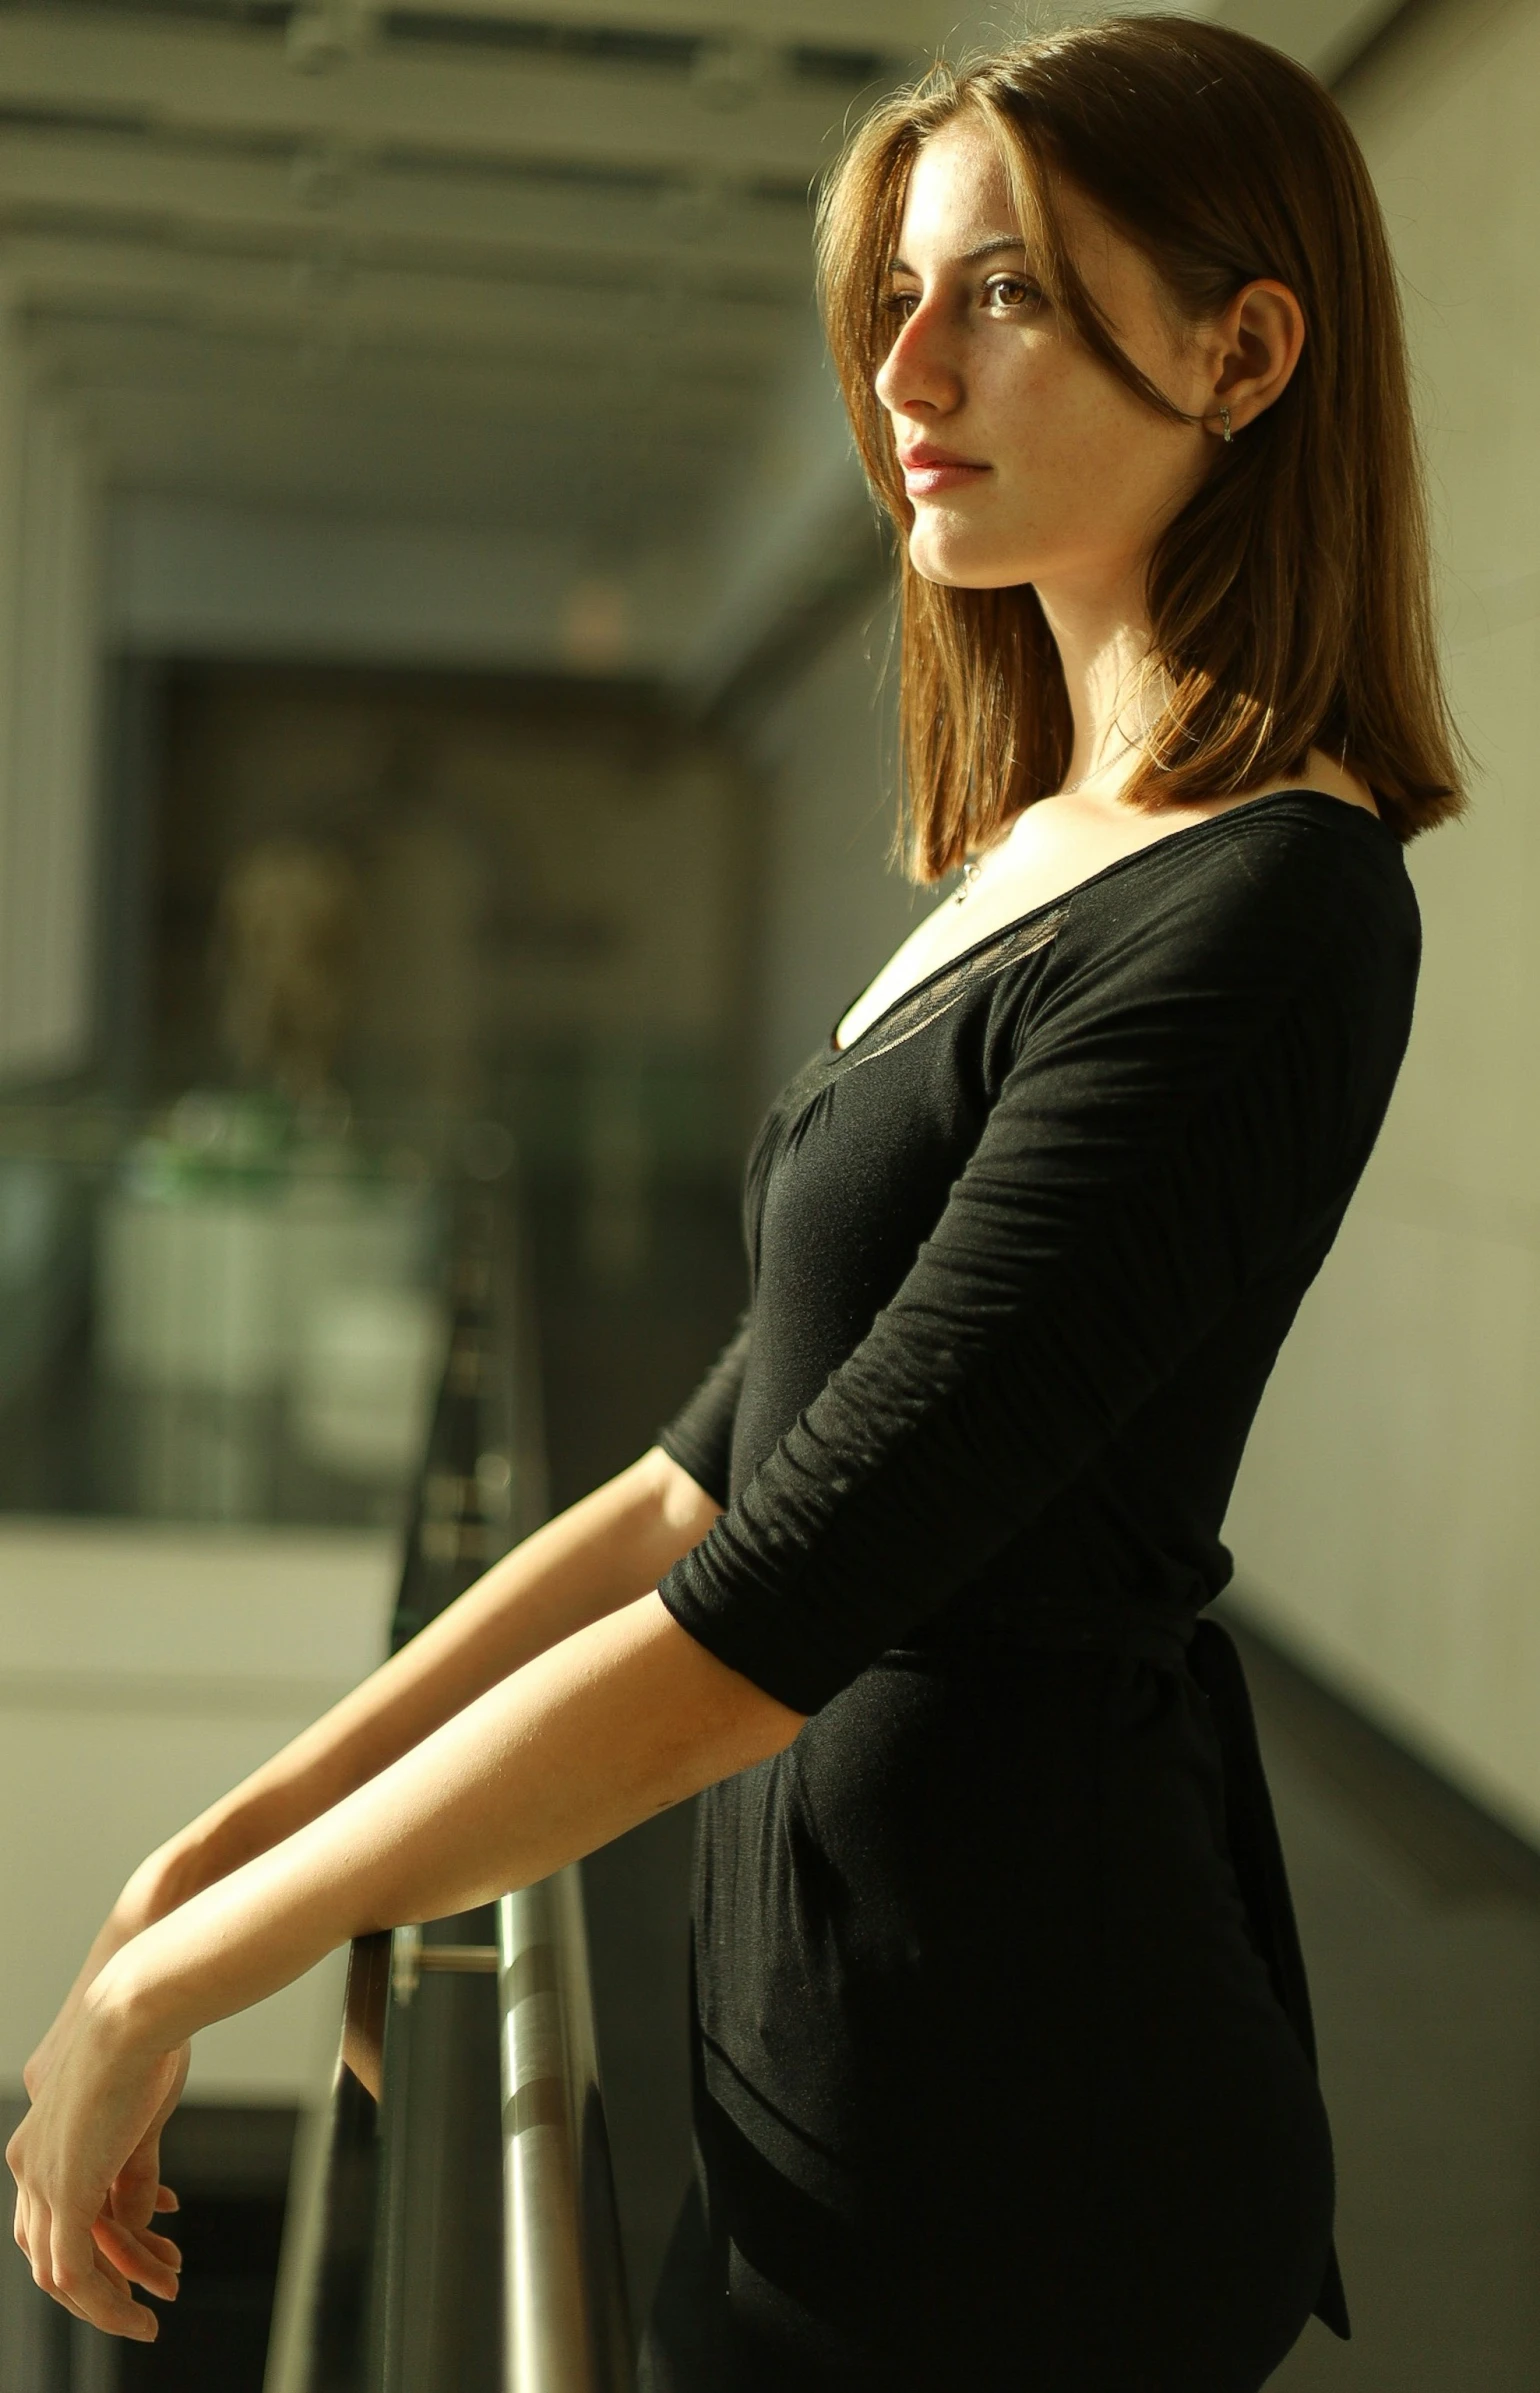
<point x="1292" y="901"/>
<point x="1300" y="863"/>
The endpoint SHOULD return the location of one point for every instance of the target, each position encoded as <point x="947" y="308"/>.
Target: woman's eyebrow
<point x="1007" y="242"/>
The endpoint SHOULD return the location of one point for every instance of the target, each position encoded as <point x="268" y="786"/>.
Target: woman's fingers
<point x="136" y="2190"/>
<point x="115" y="2278"/>
<point x="92" y="2276"/>
<point x="132" y="2202"/>
<point x="163" y="2248"/>
<point x="113" y="2275"/>
<point x="131" y="2253"/>
<point x="131" y="2197"/>
<point x="94" y="2290"/>
<point x="46" y="2279"/>
<point x="87" y="2164"/>
<point x="165" y="2199"/>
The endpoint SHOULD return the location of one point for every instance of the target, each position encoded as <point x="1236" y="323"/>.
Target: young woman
<point x="1002" y="2056"/>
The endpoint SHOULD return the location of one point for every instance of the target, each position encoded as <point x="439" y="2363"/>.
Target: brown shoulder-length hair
<point x="1290" y="600"/>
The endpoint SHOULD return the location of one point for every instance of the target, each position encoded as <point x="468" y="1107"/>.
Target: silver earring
<point x="1224" y="418"/>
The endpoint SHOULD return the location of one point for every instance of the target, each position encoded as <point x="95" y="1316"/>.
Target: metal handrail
<point x="374" y="2177"/>
<point x="321" y="2308"/>
<point x="564" y="2294"/>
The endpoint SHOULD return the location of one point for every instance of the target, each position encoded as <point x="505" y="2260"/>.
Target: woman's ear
<point x="1254" y="347"/>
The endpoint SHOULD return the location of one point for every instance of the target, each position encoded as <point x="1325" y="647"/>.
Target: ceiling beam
<point x="236" y="82"/>
<point x="681" y="333"/>
<point x="320" y="195"/>
<point x="892" y="25"/>
<point x="442" y="400"/>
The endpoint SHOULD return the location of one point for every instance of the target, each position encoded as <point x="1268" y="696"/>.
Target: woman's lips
<point x="927" y="472"/>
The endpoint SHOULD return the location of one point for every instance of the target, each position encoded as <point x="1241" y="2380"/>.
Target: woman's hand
<point x="86" y="2164"/>
<point x="624" y="1718"/>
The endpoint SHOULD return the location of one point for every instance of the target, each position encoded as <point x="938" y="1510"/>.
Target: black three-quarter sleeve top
<point x="1023" y="1254"/>
<point x="1001" y="2046"/>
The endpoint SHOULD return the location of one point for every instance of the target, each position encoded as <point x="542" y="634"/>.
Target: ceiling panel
<point x="433" y="389"/>
<point x="488" y="263"/>
<point x="894" y="25"/>
<point x="688" y="326"/>
<point x="545" y="265"/>
<point x="313" y="194"/>
<point x="234" y="78"/>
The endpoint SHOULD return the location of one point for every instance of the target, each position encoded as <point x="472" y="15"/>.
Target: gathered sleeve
<point x="1189" y="1097"/>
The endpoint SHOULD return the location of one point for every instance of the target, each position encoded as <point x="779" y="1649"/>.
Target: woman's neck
<point x="1103" y="639"/>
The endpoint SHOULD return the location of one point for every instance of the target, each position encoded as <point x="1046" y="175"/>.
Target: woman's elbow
<point x="685" y="1510"/>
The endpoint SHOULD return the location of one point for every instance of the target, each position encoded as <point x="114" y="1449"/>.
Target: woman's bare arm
<point x="620" y="1720"/>
<point x="600" y="1554"/>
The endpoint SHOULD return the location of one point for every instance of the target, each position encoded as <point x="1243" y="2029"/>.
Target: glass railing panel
<point x="219" y="1312"/>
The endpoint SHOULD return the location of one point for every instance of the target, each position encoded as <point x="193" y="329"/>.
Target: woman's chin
<point x="937" y="555"/>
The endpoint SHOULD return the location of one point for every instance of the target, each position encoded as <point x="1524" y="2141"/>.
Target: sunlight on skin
<point x="618" y="1714"/>
<point x="1027" y="461"/>
<point x="559" y="1704"/>
<point x="1068" y="478"/>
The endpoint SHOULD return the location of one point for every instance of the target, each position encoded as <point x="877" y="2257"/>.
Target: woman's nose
<point x="920" y="370"/>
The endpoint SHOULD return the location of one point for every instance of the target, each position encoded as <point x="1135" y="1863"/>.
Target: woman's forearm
<point x="621" y="1720"/>
<point x="600" y="1554"/>
<point x="616" y="1722"/>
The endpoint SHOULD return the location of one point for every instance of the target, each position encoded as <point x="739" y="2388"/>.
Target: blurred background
<point x="445" y="747"/>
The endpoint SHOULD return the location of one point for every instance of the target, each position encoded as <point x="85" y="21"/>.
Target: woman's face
<point x="1025" y="460"/>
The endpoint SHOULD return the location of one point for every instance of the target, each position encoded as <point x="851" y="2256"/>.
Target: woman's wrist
<point x="120" y="2012"/>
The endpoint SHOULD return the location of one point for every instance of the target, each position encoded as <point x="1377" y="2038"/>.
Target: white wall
<point x="50" y="651"/>
<point x="1388" y="1515"/>
<point x="833" y="908"/>
<point x="143" y="1671"/>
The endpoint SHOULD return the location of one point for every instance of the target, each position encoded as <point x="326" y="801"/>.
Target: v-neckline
<point x="1019" y="922"/>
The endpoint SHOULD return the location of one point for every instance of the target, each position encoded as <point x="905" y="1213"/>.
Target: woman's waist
<point x="997" y="1619"/>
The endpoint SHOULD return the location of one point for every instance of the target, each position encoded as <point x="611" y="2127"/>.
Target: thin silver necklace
<point x="975" y="868"/>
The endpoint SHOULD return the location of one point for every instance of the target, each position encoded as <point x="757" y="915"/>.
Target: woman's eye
<point x="1011" y="291"/>
<point x="900" y="304"/>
